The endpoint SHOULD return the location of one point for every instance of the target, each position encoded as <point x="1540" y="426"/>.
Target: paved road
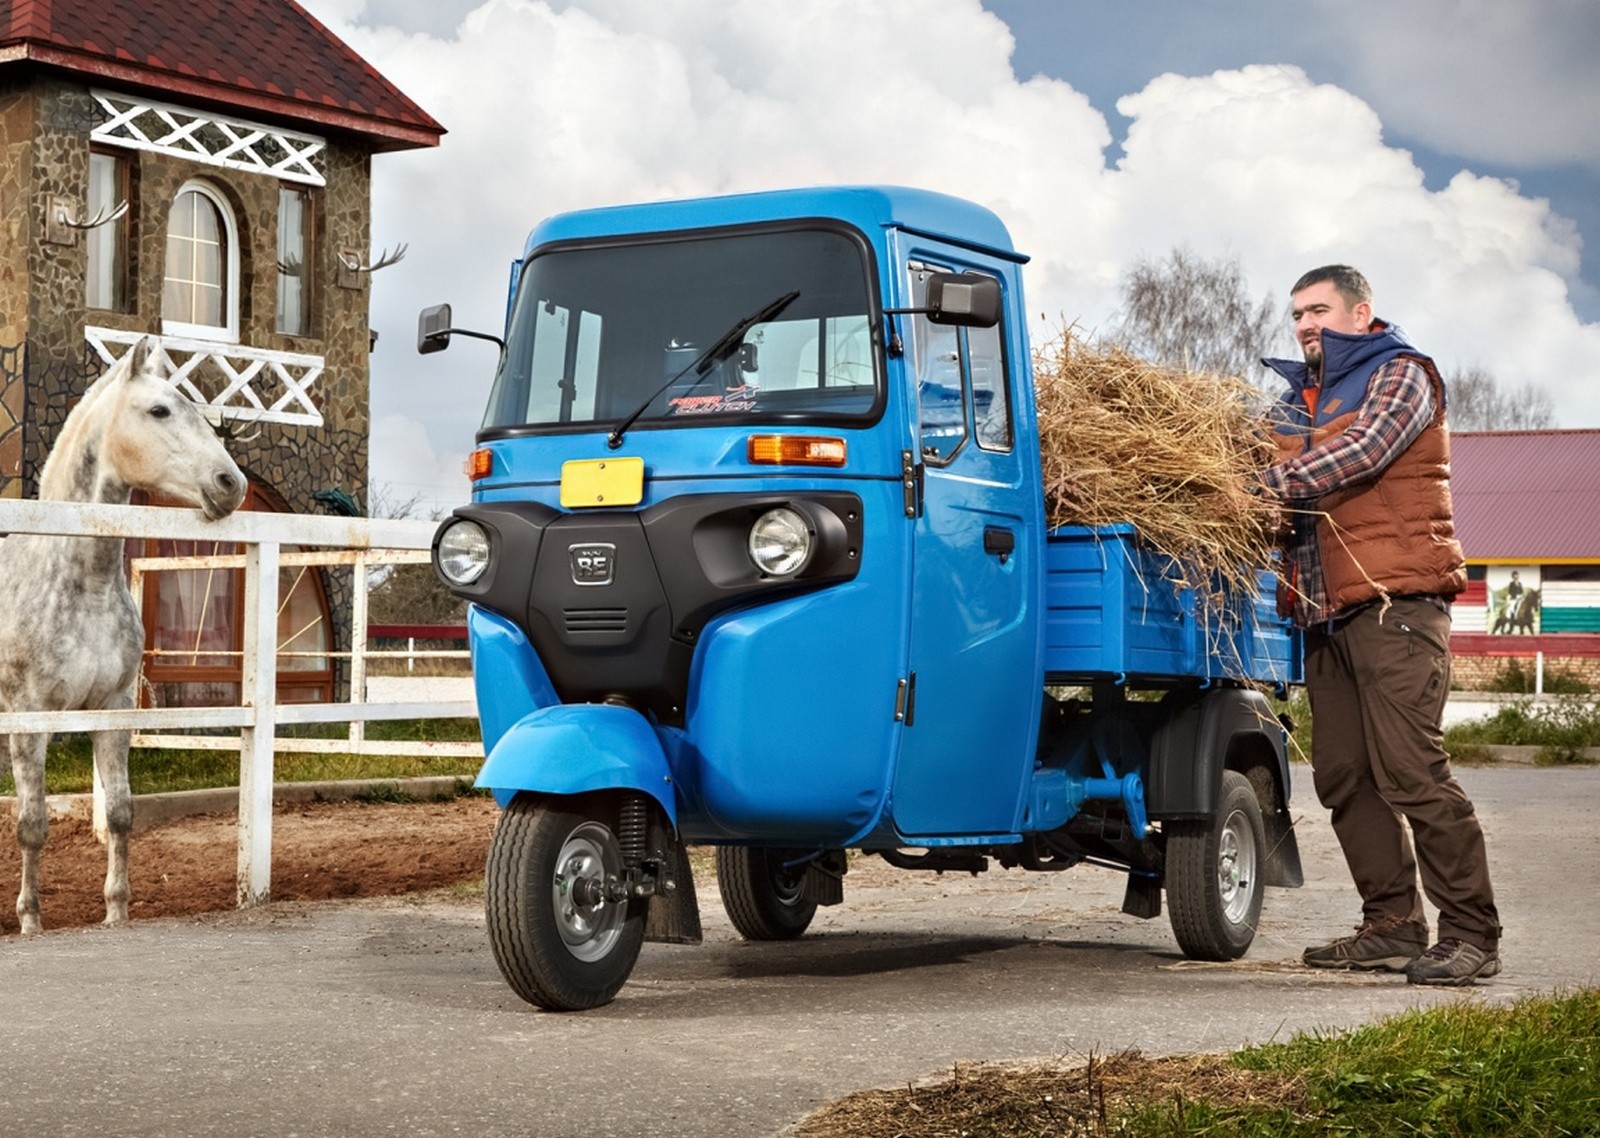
<point x="390" y="1018"/>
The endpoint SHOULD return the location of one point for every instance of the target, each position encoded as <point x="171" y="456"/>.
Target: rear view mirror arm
<point x="445" y="333"/>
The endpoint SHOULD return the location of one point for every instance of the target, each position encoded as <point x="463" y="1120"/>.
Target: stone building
<point x="199" y="170"/>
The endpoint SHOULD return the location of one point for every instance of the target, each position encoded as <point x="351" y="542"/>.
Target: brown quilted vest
<point x="1394" y="534"/>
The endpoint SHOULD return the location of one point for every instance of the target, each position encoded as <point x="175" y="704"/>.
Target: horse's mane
<point x="72" y="441"/>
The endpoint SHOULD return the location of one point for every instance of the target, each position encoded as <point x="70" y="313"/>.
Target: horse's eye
<point x="160" y="411"/>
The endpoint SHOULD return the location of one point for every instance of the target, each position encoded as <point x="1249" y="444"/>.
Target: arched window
<point x="200" y="293"/>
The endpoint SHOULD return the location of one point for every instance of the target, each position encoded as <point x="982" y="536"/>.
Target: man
<point x="1371" y="571"/>
<point x="1508" y="614"/>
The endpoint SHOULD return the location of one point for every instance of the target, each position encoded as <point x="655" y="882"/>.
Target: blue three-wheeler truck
<point x="757" y="559"/>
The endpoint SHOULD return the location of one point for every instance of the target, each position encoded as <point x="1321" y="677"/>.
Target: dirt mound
<point x="320" y="851"/>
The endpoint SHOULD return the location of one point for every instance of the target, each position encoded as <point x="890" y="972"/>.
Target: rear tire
<point x="1216" y="874"/>
<point x="559" y="938"/>
<point x="763" y="899"/>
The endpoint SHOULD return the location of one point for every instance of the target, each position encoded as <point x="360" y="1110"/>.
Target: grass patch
<point x="1464" y="1069"/>
<point x="69" y="763"/>
<point x="1562" y="728"/>
<point x="407" y="730"/>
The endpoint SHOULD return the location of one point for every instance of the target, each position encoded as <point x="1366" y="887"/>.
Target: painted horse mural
<point x="70" y="637"/>
<point x="1519" y="614"/>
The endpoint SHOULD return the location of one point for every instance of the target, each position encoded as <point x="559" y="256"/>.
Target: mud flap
<point x="1143" y="897"/>
<point x="674" y="913"/>
<point x="1283" y="852"/>
<point x="824" y="880"/>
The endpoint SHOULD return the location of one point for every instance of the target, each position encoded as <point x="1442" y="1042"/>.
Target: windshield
<point x="596" y="330"/>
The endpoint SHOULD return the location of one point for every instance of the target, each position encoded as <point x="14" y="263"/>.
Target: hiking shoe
<point x="1453" y="961"/>
<point x="1390" y="943"/>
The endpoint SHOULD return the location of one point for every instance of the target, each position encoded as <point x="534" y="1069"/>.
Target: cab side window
<point x="991" y="395"/>
<point x="961" y="381"/>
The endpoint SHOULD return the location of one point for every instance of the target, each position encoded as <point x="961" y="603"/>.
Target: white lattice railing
<point x="257" y="385"/>
<point x="144" y="124"/>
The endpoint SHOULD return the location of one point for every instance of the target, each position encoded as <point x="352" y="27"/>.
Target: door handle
<point x="999" y="541"/>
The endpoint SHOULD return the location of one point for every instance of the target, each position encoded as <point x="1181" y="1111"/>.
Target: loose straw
<point x="1173" y="452"/>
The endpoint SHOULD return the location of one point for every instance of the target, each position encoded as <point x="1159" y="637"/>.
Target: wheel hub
<point x="1235" y="867"/>
<point x="589" y="923"/>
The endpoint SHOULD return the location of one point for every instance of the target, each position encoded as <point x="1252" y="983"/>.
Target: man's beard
<point x="1313" y="362"/>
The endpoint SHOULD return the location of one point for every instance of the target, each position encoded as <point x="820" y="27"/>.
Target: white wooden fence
<point x="358" y="542"/>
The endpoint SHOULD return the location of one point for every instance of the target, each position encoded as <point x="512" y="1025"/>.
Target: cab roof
<point x="871" y="209"/>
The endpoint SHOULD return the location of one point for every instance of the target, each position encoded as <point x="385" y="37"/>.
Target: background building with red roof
<point x="1527" y="510"/>
<point x="198" y="169"/>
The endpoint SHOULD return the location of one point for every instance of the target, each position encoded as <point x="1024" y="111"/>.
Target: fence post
<point x="358" y="647"/>
<point x="260" y="689"/>
<point x="1538" y="672"/>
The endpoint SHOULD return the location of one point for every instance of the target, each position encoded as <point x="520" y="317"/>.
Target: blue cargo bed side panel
<point x="1112" y="610"/>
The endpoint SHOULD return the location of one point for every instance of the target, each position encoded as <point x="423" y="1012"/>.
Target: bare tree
<point x="1190" y="312"/>
<point x="1475" y="402"/>
<point x="407" y="594"/>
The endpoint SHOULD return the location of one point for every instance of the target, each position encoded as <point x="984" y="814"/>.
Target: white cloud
<point x="406" y="470"/>
<point x="1286" y="174"/>
<point x="557" y="106"/>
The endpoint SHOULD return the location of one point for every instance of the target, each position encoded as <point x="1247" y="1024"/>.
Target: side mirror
<point x="433" y="329"/>
<point x="968" y="299"/>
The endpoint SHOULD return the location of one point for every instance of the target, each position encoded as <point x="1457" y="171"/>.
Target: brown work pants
<point x="1378" y="680"/>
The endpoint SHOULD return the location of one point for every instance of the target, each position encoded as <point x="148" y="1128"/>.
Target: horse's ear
<point x="139" y="356"/>
<point x="143" y="357"/>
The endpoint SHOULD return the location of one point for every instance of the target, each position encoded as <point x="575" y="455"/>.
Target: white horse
<point x="70" y="637"/>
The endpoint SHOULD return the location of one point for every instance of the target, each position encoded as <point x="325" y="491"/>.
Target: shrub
<point x="1562" y="727"/>
<point x="1513" y="677"/>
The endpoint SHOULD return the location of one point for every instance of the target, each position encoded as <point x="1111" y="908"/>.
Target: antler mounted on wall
<point x="354" y="267"/>
<point x="66" y="219"/>
<point x="386" y="258"/>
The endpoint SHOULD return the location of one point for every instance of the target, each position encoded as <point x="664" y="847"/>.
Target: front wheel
<point x="1214" y="875"/>
<point x="562" y="936"/>
<point x="764" y="898"/>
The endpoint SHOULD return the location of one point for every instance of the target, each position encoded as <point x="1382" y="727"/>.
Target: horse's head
<point x="158" y="441"/>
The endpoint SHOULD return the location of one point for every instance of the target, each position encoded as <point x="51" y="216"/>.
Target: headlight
<point x="463" y="552"/>
<point x="781" y="542"/>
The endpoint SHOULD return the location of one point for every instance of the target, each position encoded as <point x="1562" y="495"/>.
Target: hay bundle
<point x="1170" y="451"/>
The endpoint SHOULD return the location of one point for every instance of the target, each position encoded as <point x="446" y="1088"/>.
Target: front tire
<point x="561" y="938"/>
<point x="1216" y="875"/>
<point x="764" y="899"/>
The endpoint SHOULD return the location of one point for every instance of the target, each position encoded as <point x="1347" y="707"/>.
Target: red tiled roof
<point x="1527" y="495"/>
<point x="258" y="58"/>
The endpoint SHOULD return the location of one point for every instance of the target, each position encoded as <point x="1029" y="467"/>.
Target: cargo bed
<point x="1112" y="611"/>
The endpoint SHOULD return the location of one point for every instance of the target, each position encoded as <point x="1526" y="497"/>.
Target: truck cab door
<point x="971" y="714"/>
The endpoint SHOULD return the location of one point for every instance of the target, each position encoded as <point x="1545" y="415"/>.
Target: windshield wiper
<point x="724" y="346"/>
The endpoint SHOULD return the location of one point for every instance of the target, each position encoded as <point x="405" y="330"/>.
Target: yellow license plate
<point x="602" y="482"/>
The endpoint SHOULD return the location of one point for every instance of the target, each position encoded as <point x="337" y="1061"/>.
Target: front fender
<point x="577" y="748"/>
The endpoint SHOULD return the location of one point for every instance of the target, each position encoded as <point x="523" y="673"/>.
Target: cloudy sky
<point x="1449" y="148"/>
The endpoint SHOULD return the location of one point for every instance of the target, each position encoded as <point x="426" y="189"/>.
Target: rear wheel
<point x="562" y="936"/>
<point x="1214" y="875"/>
<point x="764" y="898"/>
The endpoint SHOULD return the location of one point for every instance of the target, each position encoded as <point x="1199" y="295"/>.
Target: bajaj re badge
<point x="593" y="563"/>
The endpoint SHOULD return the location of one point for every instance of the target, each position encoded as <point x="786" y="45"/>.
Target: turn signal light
<point x="796" y="450"/>
<point x="480" y="464"/>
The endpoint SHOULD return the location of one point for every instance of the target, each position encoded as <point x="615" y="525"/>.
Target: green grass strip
<point x="1463" y="1069"/>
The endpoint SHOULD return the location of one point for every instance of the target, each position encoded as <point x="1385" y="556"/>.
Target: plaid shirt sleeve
<point x="1397" y="408"/>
